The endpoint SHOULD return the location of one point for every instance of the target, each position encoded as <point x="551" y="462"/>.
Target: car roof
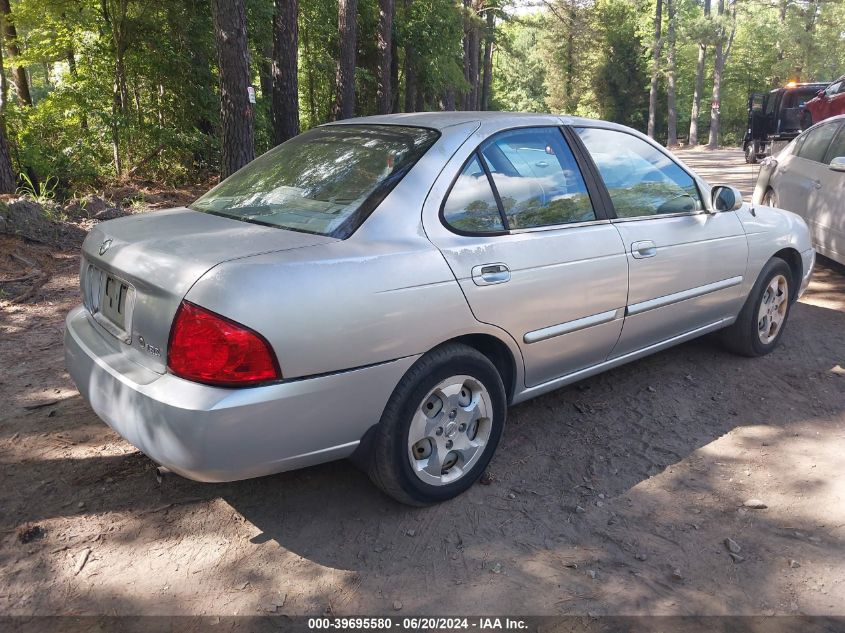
<point x="814" y="85"/>
<point x="443" y="120"/>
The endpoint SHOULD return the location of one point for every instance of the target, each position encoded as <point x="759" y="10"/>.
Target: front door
<point x="686" y="265"/>
<point x="533" y="256"/>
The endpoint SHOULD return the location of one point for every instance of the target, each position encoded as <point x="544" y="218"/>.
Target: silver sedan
<point x="808" y="177"/>
<point x="384" y="288"/>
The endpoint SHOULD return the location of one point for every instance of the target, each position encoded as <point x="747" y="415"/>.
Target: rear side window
<point x="471" y="206"/>
<point x="538" y="181"/>
<point x="817" y="141"/>
<point x="519" y="179"/>
<point x="837" y="147"/>
<point x="640" y="179"/>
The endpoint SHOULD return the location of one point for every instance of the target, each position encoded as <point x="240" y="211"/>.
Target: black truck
<point x="775" y="118"/>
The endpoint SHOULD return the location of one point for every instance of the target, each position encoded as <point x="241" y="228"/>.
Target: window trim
<point x="593" y="191"/>
<point x="611" y="209"/>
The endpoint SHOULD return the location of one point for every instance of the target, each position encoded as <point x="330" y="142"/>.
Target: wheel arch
<point x="793" y="259"/>
<point x="498" y="352"/>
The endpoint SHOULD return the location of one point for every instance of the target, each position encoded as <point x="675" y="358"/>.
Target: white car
<point x="808" y="178"/>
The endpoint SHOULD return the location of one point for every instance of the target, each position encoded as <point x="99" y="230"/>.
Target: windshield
<point x="325" y="181"/>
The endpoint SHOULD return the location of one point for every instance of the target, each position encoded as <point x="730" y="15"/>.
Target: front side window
<point x="324" y="181"/>
<point x="816" y="142"/>
<point x="640" y="179"/>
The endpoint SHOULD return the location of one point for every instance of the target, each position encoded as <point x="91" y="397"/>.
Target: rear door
<point x="827" y="226"/>
<point x="686" y="265"/>
<point x="531" y="249"/>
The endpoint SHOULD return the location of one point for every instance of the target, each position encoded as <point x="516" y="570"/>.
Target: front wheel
<point x="440" y="427"/>
<point x="761" y="322"/>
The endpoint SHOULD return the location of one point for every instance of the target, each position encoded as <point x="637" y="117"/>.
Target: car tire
<point x="770" y="198"/>
<point x="762" y="320"/>
<point x="428" y="418"/>
<point x="751" y="153"/>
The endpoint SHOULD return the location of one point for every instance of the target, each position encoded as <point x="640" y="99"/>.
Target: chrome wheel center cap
<point x="451" y="429"/>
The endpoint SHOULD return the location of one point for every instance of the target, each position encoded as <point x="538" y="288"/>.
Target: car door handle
<point x="489" y="274"/>
<point x="641" y="250"/>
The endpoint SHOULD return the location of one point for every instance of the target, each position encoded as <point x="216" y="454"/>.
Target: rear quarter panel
<point x="349" y="304"/>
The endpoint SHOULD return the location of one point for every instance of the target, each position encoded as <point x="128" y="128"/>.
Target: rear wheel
<point x="770" y="198"/>
<point x="751" y="152"/>
<point x="761" y="322"/>
<point x="440" y="428"/>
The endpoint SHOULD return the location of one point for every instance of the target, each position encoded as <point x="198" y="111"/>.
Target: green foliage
<point x="42" y="192"/>
<point x="133" y="83"/>
<point x="620" y="76"/>
<point x="519" y="72"/>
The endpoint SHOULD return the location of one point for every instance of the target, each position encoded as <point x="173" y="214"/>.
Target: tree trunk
<point x="465" y="96"/>
<point x="655" y="69"/>
<point x="285" y="70"/>
<point x="265" y="76"/>
<point x="347" y="28"/>
<point x="4" y="86"/>
<point x="410" y="68"/>
<point x="474" y="53"/>
<point x="449" y="99"/>
<point x="394" y="76"/>
<point x="385" y="56"/>
<point x="487" y="82"/>
<point x="7" y="176"/>
<point x="571" y="100"/>
<point x="695" y="112"/>
<point x="410" y="80"/>
<point x="114" y="15"/>
<point x="236" y="112"/>
<point x="672" y="114"/>
<point x="13" y="51"/>
<point x="312" y="87"/>
<point x="722" y="51"/>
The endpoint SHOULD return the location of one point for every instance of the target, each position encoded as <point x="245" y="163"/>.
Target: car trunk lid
<point x="136" y="270"/>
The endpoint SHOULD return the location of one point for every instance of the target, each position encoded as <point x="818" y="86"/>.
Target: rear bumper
<point x="213" y="434"/>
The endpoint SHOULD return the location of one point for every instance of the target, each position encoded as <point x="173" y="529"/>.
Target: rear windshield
<point x="325" y="181"/>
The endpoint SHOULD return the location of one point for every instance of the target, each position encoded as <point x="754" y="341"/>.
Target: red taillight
<point x="205" y="347"/>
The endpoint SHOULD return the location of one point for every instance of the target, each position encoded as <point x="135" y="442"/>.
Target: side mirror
<point x="837" y="164"/>
<point x="821" y="93"/>
<point x="726" y="198"/>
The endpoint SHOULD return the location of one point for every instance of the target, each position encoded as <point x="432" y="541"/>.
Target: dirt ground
<point x="613" y="496"/>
